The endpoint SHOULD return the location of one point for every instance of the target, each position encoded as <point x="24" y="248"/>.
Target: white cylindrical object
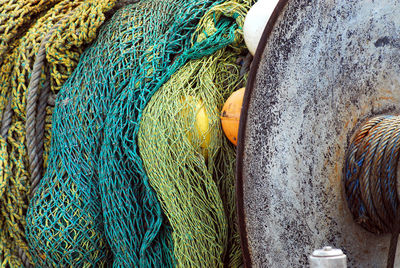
<point x="255" y="21"/>
<point x="328" y="257"/>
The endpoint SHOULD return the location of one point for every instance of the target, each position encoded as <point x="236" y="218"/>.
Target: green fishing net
<point x="94" y="205"/>
<point x="191" y="170"/>
<point x="193" y="183"/>
<point x="123" y="181"/>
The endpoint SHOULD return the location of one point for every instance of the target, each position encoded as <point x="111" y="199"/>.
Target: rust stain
<point x="344" y="81"/>
<point x="387" y="98"/>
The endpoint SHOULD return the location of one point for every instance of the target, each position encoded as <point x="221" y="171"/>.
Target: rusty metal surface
<point x="326" y="66"/>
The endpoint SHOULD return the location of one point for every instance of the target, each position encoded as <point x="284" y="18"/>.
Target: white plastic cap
<point x="327" y="251"/>
<point x="328" y="257"/>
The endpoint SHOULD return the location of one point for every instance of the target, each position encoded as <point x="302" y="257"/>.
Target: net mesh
<point x="23" y="23"/>
<point x="191" y="170"/>
<point x="72" y="221"/>
<point x="120" y="162"/>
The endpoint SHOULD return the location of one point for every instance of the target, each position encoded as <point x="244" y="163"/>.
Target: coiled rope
<point x="370" y="178"/>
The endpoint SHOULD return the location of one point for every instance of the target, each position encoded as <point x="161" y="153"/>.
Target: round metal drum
<point x="321" y="69"/>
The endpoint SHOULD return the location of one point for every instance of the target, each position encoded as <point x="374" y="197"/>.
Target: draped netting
<point x="69" y="26"/>
<point x="194" y="180"/>
<point x="95" y="205"/>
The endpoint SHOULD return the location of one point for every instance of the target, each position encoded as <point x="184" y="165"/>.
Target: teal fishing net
<point x="121" y="163"/>
<point x="123" y="180"/>
<point x="72" y="221"/>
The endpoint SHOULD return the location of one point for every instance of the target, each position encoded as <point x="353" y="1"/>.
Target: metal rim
<point x="242" y="128"/>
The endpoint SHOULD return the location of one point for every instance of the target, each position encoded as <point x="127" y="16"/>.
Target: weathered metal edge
<point x="242" y="128"/>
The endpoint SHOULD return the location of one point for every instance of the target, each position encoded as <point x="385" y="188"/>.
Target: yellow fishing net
<point x="23" y="24"/>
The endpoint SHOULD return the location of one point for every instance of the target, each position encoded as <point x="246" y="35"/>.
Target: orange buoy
<point x="230" y="115"/>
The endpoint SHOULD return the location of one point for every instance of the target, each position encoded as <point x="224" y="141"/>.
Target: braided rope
<point x="38" y="133"/>
<point x="371" y="178"/>
<point x="40" y="122"/>
<point x="33" y="92"/>
<point x="36" y="114"/>
<point x="24" y="257"/>
<point x="35" y="120"/>
<point x="6" y="120"/>
<point x="51" y="101"/>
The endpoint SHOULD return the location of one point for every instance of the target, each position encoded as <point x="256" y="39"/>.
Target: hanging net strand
<point x="186" y="176"/>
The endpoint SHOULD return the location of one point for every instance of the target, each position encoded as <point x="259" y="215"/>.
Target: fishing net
<point x="95" y="123"/>
<point x="16" y="17"/>
<point x="22" y="27"/>
<point x="123" y="180"/>
<point x="192" y="170"/>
